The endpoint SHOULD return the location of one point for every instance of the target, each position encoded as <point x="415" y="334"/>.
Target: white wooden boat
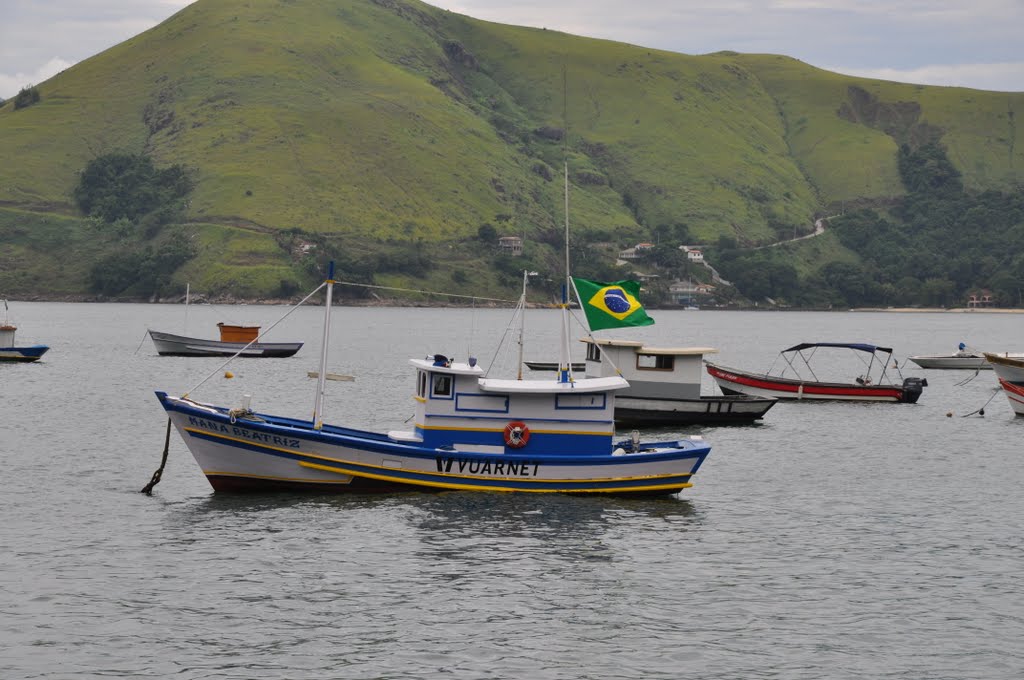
<point x="963" y="358"/>
<point x="240" y="340"/>
<point x="1010" y="372"/>
<point x="957" y="360"/>
<point x="665" y="386"/>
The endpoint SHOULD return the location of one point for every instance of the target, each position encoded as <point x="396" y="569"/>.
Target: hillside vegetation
<point x="389" y="135"/>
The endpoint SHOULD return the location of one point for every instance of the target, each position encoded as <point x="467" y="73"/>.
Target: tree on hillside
<point x="122" y="185"/>
<point x="928" y="170"/>
<point x="26" y="97"/>
<point x="144" y="271"/>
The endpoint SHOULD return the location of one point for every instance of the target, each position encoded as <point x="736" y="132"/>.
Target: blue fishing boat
<point x="470" y="432"/>
<point x="11" y="352"/>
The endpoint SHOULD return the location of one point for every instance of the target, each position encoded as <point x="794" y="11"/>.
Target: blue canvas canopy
<point x="860" y="346"/>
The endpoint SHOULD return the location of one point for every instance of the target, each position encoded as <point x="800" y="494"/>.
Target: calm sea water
<point x="832" y="541"/>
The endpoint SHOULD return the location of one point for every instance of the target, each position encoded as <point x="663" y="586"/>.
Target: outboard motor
<point x="912" y="388"/>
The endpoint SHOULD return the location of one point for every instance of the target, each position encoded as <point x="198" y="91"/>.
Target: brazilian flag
<point x="611" y="305"/>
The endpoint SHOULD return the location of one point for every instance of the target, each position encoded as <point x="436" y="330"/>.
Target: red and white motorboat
<point x="791" y="382"/>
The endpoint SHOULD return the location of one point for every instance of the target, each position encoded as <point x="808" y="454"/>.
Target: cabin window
<point x="655" y="362"/>
<point x="421" y="384"/>
<point x="591" y="401"/>
<point x="442" y="386"/>
<point x="593" y="352"/>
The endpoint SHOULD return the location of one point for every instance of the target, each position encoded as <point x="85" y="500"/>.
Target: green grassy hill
<point x="368" y="124"/>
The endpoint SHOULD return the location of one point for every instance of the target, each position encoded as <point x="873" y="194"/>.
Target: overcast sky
<point x="969" y="43"/>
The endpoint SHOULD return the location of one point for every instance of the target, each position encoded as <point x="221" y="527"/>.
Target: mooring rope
<point x="424" y="292"/>
<point x="254" y="340"/>
<point x="981" y="411"/>
<point x="140" y="344"/>
<point x="148" y="489"/>
<point x="968" y="379"/>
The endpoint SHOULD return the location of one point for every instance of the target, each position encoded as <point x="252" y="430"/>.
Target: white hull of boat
<point x="951" y="362"/>
<point x="1010" y="372"/>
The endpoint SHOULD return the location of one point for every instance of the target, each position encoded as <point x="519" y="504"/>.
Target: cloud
<point x="12" y="83"/>
<point x="1006" y="77"/>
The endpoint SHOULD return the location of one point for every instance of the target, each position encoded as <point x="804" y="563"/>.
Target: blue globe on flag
<point x="615" y="299"/>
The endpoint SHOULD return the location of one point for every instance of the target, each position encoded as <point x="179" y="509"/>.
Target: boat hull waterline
<point x="713" y="410"/>
<point x="264" y="453"/>
<point x="734" y="381"/>
<point x="177" y="345"/>
<point x="23" y="354"/>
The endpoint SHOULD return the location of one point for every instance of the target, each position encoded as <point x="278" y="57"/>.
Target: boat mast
<point x="564" y="363"/>
<point x="522" y="325"/>
<point x="187" y="291"/>
<point x="322" y="378"/>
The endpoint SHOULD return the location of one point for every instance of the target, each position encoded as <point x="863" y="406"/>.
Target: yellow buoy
<point x="229" y="374"/>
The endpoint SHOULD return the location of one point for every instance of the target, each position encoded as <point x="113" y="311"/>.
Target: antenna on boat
<point x="322" y="378"/>
<point x="522" y="325"/>
<point x="187" y="291"/>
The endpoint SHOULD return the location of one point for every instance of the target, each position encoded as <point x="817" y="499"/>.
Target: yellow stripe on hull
<point x="480" y="487"/>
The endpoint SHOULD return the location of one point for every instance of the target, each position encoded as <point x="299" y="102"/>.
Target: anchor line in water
<point x="148" y="489"/>
<point x="141" y="343"/>
<point x="981" y="411"/>
<point x="968" y="379"/>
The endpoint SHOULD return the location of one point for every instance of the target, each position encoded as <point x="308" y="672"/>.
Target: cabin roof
<point x="578" y="386"/>
<point x="454" y="368"/>
<point x="640" y="348"/>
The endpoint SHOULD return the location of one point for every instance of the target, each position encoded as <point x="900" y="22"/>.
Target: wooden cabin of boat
<point x="229" y="333"/>
<point x="652" y="372"/>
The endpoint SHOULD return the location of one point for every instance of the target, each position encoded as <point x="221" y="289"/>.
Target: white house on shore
<point x="693" y="253"/>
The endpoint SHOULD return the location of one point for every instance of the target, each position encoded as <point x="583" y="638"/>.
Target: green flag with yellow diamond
<point x="611" y="305"/>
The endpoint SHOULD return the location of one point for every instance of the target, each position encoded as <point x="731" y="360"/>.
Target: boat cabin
<point x="7" y="335"/>
<point x="652" y="372"/>
<point x="229" y="333"/>
<point x="459" y="409"/>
